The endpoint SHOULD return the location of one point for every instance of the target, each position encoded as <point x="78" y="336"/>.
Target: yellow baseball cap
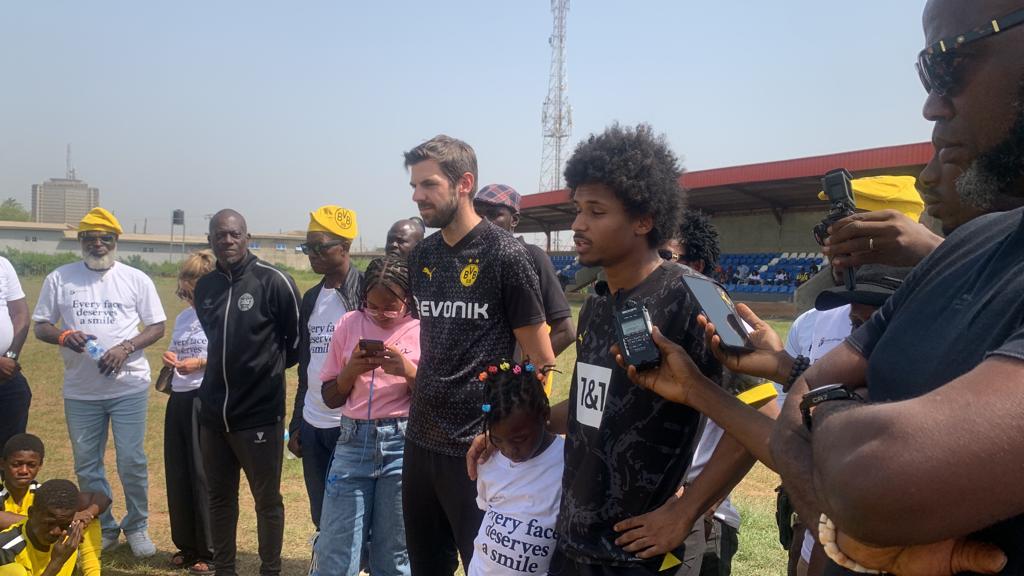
<point x="887" y="193"/>
<point x="334" y="220"/>
<point x="101" y="220"/>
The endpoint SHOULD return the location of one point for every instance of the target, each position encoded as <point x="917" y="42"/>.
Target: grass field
<point x="759" y="552"/>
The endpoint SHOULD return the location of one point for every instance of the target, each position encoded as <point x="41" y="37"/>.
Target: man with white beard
<point x="99" y="304"/>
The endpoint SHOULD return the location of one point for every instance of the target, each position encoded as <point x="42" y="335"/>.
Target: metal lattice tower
<point x="556" y="119"/>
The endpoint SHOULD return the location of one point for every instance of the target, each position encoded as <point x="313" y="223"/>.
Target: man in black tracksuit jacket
<point x="250" y="312"/>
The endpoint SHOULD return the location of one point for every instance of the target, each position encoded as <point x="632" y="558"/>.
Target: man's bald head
<point x="228" y="213"/>
<point x="229" y="237"/>
<point x="403" y="236"/>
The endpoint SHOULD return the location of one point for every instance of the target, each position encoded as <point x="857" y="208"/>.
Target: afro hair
<point x="641" y="170"/>
<point x="699" y="238"/>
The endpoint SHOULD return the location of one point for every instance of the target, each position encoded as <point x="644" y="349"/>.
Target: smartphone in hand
<point x="371" y="347"/>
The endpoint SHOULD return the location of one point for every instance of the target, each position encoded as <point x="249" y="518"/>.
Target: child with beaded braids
<point x="520" y="486"/>
<point x="363" y="489"/>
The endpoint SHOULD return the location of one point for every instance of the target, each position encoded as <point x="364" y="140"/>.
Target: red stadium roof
<point x="770" y="185"/>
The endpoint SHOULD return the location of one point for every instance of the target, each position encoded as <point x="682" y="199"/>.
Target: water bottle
<point x="287" y="453"/>
<point x="94" y="350"/>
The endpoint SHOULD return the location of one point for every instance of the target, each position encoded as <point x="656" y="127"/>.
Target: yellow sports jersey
<point x="17" y="552"/>
<point x="92" y="540"/>
<point x="9" y="505"/>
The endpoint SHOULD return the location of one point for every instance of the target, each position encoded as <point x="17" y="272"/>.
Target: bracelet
<point x="125" y="347"/>
<point x="63" y="336"/>
<point x="800" y="365"/>
<point x="827" y="537"/>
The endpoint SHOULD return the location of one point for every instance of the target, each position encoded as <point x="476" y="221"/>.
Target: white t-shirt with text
<point x="327" y="312"/>
<point x="109" y="305"/>
<point x="10" y="290"/>
<point x="520" y="503"/>
<point x="188" y="341"/>
<point x="814" y="334"/>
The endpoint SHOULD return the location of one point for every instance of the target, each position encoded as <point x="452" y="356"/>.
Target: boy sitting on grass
<point x="22" y="460"/>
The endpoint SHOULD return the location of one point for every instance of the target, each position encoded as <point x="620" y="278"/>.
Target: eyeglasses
<point x="104" y="238"/>
<point x="319" y="249"/>
<point x="937" y="64"/>
<point x="385" y="314"/>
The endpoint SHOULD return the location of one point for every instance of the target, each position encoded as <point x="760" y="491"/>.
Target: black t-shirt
<point x="556" y="306"/>
<point x="627" y="448"/>
<point x="469" y="298"/>
<point x="961" y="305"/>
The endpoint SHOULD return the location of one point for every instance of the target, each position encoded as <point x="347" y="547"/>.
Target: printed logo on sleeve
<point x="591" y="393"/>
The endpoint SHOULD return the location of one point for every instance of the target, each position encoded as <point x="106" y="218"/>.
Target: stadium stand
<point x="764" y="212"/>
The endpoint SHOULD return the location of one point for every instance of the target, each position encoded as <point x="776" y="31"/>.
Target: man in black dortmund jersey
<point x="477" y="295"/>
<point x="627" y="449"/>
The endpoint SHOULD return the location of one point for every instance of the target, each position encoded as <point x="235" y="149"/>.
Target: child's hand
<point x="479" y="451"/>
<point x="67" y="544"/>
<point x="84" y="516"/>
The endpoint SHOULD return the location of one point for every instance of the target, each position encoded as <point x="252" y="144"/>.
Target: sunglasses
<point x="186" y="295"/>
<point x="669" y="255"/>
<point x="104" y="238"/>
<point x="319" y="249"/>
<point x="937" y="64"/>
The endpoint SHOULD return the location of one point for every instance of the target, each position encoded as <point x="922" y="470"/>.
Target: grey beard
<point x="99" y="262"/>
<point x="978" y="188"/>
<point x="996" y="174"/>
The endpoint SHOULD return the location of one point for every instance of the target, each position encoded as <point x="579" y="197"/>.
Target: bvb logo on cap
<point x="344" y="218"/>
<point x="469" y="273"/>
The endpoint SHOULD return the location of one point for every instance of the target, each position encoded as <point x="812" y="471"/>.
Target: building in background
<point x="63" y="200"/>
<point x="277" y="249"/>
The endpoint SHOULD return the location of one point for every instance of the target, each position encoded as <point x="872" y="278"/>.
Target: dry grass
<point x="759" y="553"/>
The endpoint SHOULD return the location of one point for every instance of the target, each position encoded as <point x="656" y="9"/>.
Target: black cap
<point x="874" y="284"/>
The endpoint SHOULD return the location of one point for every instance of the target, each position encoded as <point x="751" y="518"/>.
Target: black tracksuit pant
<point x="188" y="503"/>
<point x="257" y="451"/>
<point x="15" y="398"/>
<point x="442" y="517"/>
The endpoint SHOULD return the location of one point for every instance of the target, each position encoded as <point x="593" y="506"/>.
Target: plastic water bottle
<point x="287" y="453"/>
<point x="94" y="350"/>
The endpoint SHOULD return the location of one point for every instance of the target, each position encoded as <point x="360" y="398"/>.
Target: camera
<point x="838" y="188"/>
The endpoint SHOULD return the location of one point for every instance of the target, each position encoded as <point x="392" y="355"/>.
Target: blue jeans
<point x="88" y="421"/>
<point x="364" y="493"/>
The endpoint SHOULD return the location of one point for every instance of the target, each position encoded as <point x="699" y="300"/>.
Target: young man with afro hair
<point x="627" y="449"/>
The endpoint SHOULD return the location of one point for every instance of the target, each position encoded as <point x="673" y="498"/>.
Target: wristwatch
<point x="824" y="394"/>
<point x="11" y="354"/>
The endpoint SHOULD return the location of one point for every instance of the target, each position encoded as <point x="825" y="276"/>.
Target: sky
<point x="275" y="108"/>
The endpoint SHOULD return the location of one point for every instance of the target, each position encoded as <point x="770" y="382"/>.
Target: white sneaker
<point x="110" y="541"/>
<point x="142" y="546"/>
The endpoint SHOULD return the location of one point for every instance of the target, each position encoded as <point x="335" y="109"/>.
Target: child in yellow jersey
<point x="47" y="542"/>
<point x="22" y="460"/>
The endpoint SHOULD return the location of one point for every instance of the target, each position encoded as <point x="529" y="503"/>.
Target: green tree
<point x="11" y="209"/>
